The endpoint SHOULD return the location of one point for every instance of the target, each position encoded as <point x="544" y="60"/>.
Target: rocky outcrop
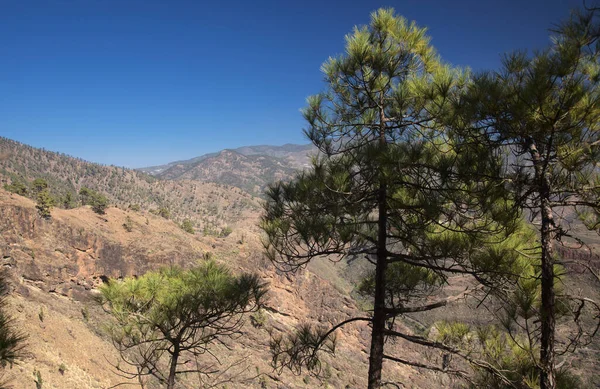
<point x="67" y="259"/>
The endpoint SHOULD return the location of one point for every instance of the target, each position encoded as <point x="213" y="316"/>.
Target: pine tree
<point x="97" y="200"/>
<point x="168" y="318"/>
<point x="68" y="200"/>
<point x="187" y="226"/>
<point x="392" y="185"/>
<point x="99" y="203"/>
<point x="17" y="187"/>
<point x="45" y="202"/>
<point x="12" y="341"/>
<point x="545" y="110"/>
<point x="39" y="184"/>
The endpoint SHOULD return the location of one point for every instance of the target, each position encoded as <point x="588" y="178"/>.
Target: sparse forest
<point x="206" y="205"/>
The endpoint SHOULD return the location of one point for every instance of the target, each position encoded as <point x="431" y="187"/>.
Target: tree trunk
<point x="547" y="379"/>
<point x="173" y="368"/>
<point x="547" y="373"/>
<point x="377" y="332"/>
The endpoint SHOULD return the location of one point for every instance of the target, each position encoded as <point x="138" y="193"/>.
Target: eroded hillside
<point x="56" y="265"/>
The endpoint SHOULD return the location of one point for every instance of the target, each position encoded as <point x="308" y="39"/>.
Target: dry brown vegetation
<point x="210" y="206"/>
<point x="56" y="264"/>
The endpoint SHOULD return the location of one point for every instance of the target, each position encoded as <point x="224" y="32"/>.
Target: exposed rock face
<point x="56" y="264"/>
<point x="65" y="259"/>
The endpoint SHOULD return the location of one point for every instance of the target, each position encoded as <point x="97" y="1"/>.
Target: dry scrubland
<point x="56" y="264"/>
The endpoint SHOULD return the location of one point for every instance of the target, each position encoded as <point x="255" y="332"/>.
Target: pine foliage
<point x="167" y="318"/>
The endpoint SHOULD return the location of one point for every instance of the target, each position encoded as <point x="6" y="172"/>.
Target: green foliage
<point x="299" y="349"/>
<point x="37" y="378"/>
<point x="96" y="200"/>
<point x="86" y="194"/>
<point x="128" y="225"/>
<point x="164" y="212"/>
<point x="99" y="204"/>
<point x="404" y="282"/>
<point x="208" y="231"/>
<point x="39" y="184"/>
<point x="17" y="187"/>
<point x="85" y="313"/>
<point x="187" y="226"/>
<point x="508" y="354"/>
<point x="12" y="340"/>
<point x="45" y="202"/>
<point x="225" y="232"/>
<point x="68" y="201"/>
<point x="258" y="318"/>
<point x="394" y="185"/>
<point x="135" y="207"/>
<point x="544" y="109"/>
<point x="178" y="311"/>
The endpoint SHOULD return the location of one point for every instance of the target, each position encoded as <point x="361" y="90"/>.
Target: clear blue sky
<point x="143" y="82"/>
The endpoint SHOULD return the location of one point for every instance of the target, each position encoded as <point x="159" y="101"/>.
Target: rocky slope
<point x="56" y="264"/>
<point x="251" y="173"/>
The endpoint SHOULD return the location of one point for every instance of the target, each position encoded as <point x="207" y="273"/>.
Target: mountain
<point x="250" y="168"/>
<point x="56" y="264"/>
<point x="251" y="173"/>
<point x="208" y="205"/>
<point x="295" y="155"/>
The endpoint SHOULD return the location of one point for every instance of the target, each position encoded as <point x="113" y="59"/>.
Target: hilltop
<point x="294" y="155"/>
<point x="250" y="168"/>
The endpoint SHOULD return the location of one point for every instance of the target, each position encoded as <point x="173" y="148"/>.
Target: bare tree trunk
<point x="173" y="368"/>
<point x="548" y="314"/>
<point x="377" y="332"/>
<point x="547" y="376"/>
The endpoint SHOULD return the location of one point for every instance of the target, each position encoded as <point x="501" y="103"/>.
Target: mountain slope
<point x="56" y="264"/>
<point x="295" y="155"/>
<point x="208" y="205"/>
<point x="251" y="173"/>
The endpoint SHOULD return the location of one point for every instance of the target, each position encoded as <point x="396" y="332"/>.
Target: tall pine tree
<point x="391" y="185"/>
<point x="544" y="110"/>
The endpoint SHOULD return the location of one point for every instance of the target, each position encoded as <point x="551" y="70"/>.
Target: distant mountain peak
<point x="250" y="168"/>
<point x="288" y="157"/>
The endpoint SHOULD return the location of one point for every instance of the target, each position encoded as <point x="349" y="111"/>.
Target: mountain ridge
<point x="284" y="151"/>
<point x="208" y="205"/>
